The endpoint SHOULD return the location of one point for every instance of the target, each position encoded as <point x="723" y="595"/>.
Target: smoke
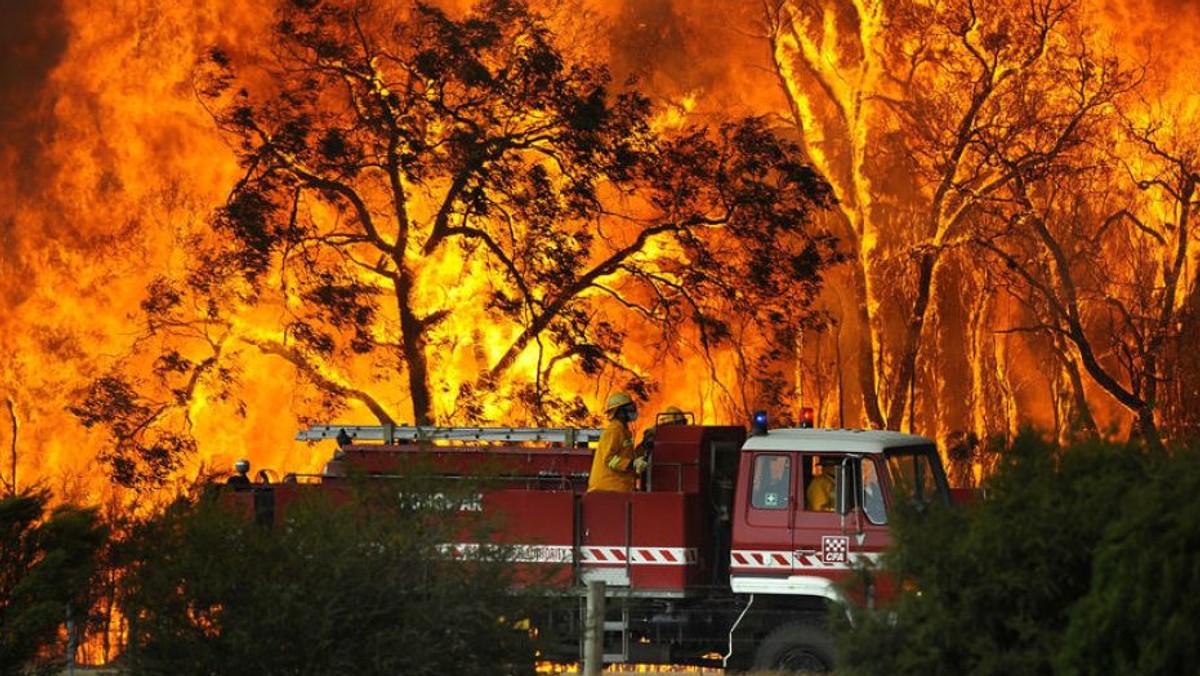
<point x="33" y="40"/>
<point x="1160" y="34"/>
<point x="708" y="49"/>
<point x="650" y="41"/>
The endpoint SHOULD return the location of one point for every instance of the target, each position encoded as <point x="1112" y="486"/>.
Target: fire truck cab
<point x="796" y="536"/>
<point x="795" y="530"/>
<point x="730" y="555"/>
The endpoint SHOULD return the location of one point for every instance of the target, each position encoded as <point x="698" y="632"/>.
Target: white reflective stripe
<point x="795" y="585"/>
<point x="542" y="554"/>
<point x="517" y="553"/>
<point x="765" y="560"/>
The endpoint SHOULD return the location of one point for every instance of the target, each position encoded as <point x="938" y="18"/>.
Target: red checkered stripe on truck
<point x="775" y="560"/>
<point x="645" y="556"/>
<point x="588" y="555"/>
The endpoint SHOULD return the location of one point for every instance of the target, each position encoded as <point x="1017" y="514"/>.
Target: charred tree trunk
<point x="866" y="351"/>
<point x="1076" y="421"/>
<point x="1146" y="428"/>
<point x="1181" y="395"/>
<point x="412" y="351"/>
<point x="12" y="417"/>
<point x="912" y="342"/>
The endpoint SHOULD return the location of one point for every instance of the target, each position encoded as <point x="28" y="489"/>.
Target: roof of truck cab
<point x="847" y="441"/>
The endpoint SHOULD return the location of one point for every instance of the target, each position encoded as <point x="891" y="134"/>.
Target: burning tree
<point x="1099" y="245"/>
<point x="874" y="105"/>
<point x="458" y="200"/>
<point x="930" y="120"/>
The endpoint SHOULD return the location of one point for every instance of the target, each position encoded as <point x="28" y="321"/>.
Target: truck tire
<point x="798" y="647"/>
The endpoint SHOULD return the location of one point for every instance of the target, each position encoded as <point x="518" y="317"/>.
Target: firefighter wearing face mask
<point x="616" y="464"/>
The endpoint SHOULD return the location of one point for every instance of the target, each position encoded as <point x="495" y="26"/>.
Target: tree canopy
<point x="456" y="209"/>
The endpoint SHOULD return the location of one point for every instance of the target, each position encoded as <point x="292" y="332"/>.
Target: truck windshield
<point x="915" y="476"/>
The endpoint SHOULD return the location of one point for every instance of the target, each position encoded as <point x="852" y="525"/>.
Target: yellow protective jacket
<point x="612" y="464"/>
<point x="820" y="493"/>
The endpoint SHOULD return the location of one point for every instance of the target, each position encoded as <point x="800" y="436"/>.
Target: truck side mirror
<point x="848" y="482"/>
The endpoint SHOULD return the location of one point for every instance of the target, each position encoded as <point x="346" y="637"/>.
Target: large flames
<point x="113" y="168"/>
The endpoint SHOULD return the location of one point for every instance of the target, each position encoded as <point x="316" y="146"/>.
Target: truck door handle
<point x="806" y="551"/>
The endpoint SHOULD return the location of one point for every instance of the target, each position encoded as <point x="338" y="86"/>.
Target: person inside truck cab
<point x="819" y="495"/>
<point x="616" y="463"/>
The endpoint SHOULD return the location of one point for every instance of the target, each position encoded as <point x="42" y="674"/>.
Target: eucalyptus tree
<point x="439" y="211"/>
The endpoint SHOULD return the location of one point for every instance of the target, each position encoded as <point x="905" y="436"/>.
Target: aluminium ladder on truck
<point x="568" y="436"/>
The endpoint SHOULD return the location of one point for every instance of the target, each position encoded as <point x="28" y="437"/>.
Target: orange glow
<point x="117" y="184"/>
<point x="127" y="167"/>
<point x="112" y="170"/>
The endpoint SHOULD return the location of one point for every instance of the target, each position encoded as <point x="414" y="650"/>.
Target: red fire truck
<point x="725" y="557"/>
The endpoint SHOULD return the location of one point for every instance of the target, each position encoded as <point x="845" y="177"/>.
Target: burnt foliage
<point x="141" y="454"/>
<point x="417" y="183"/>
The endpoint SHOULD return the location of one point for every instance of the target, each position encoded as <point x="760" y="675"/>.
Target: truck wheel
<point x="799" y="647"/>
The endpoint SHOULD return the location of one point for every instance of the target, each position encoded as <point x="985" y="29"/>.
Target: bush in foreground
<point x="47" y="565"/>
<point x="355" y="586"/>
<point x="1083" y="560"/>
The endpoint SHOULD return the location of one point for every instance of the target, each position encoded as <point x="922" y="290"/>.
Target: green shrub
<point x="990" y="587"/>
<point x="355" y="586"/>
<point x="1141" y="612"/>
<point x="47" y="566"/>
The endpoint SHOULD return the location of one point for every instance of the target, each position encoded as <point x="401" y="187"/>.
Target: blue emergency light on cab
<point x="758" y="425"/>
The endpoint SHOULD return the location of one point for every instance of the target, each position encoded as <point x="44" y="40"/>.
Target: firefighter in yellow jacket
<point x="616" y="464"/>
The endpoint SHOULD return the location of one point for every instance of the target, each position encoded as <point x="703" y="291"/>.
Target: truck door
<point x="765" y="543"/>
<point x="826" y="541"/>
<point x="820" y="536"/>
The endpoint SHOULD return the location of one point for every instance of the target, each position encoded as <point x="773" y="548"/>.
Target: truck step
<point x="615" y="625"/>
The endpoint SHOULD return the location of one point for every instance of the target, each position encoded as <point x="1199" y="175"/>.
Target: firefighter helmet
<point x="671" y="415"/>
<point x="242" y="466"/>
<point x="617" y="400"/>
